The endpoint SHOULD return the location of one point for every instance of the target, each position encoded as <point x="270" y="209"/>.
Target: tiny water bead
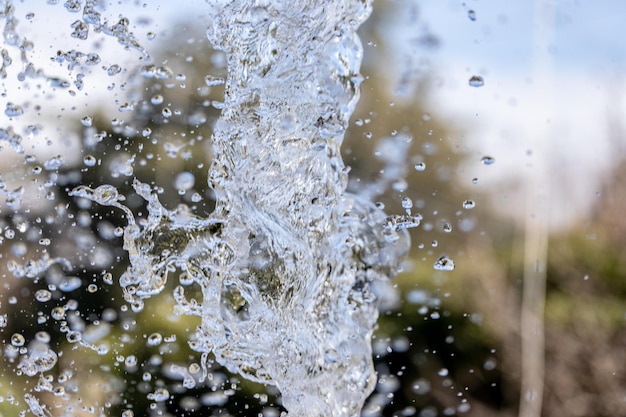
<point x="58" y="313"/>
<point x="407" y="204"/>
<point x="469" y="204"/>
<point x="472" y="15"/>
<point x="43" y="337"/>
<point x="154" y="339"/>
<point x="160" y="394"/>
<point x="87" y="121"/>
<point x="184" y="181"/>
<point x="13" y="110"/>
<point x="487" y="160"/>
<point x="420" y="166"/>
<point x="157" y="99"/>
<point x="90" y="160"/>
<point x="43" y="295"/>
<point x="114" y="70"/>
<point x="476" y="81"/>
<point x="70" y="284"/>
<point x="444" y="263"/>
<point x="17" y="340"/>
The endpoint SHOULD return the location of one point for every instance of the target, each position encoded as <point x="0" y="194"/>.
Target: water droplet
<point x="70" y="284"/>
<point x="469" y="204"/>
<point x="114" y="70"/>
<point x="184" y="181"/>
<point x="407" y="204"/>
<point x="166" y="112"/>
<point x="476" y="81"/>
<point x="421" y="387"/>
<point x="146" y="132"/>
<point x="43" y="295"/>
<point x="447" y="227"/>
<point x="443" y="372"/>
<point x="74" y="336"/>
<point x="58" y="313"/>
<point x="87" y="121"/>
<point x="472" y="15"/>
<point x="160" y="394"/>
<point x="488" y="160"/>
<point x="474" y="180"/>
<point x="89" y="160"/>
<point x="157" y="99"/>
<point x="490" y="364"/>
<point x="17" y="340"/>
<point x="43" y="337"/>
<point x="13" y="110"/>
<point x="420" y="166"/>
<point x="108" y="278"/>
<point x="130" y="361"/>
<point x="154" y="339"/>
<point x="444" y="263"/>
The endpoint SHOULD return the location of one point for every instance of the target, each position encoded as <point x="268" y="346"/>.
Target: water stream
<point x="280" y="275"/>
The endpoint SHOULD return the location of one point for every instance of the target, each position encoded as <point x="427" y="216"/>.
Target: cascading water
<point x="281" y="274"/>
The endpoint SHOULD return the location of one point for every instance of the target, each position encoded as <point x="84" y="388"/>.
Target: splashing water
<point x="286" y="263"/>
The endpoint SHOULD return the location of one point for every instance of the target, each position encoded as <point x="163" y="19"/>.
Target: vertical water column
<point x="296" y="307"/>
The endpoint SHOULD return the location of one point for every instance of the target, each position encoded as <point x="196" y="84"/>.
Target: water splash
<point x="281" y="274"/>
<point x="286" y="261"/>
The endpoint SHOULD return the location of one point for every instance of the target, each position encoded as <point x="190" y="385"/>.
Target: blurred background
<point x="503" y="123"/>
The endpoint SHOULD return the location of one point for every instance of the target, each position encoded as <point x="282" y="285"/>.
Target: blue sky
<point x="588" y="35"/>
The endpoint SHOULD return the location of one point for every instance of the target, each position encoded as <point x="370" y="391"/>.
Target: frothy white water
<point x="283" y="270"/>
